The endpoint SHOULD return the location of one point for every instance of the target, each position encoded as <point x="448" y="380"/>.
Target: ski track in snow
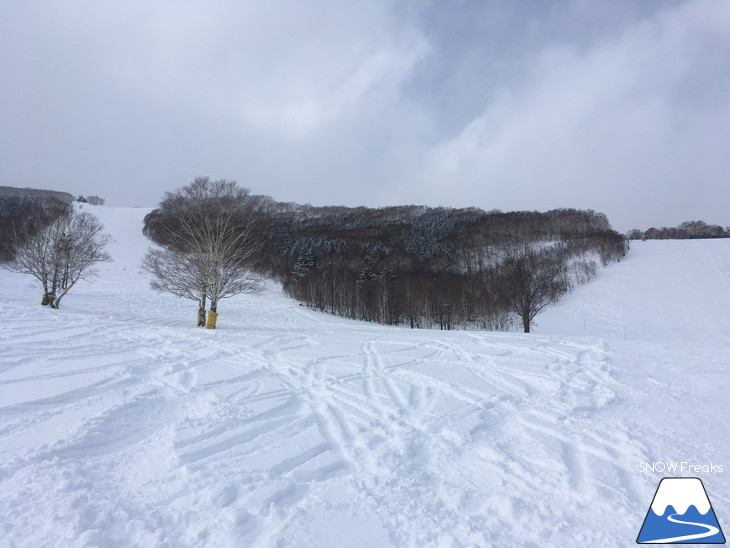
<point x="121" y="425"/>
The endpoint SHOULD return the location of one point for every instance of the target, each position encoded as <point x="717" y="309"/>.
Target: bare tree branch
<point x="62" y="253"/>
<point x="531" y="280"/>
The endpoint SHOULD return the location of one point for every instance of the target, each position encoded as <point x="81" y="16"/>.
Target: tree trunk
<point x="57" y="300"/>
<point x="201" y="309"/>
<point x="47" y="296"/>
<point x="526" y="323"/>
<point x="54" y="281"/>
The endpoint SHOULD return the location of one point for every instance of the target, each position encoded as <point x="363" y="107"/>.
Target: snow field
<point x="123" y="425"/>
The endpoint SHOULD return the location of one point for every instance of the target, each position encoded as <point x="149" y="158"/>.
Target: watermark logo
<point x="680" y="513"/>
<point x="680" y="468"/>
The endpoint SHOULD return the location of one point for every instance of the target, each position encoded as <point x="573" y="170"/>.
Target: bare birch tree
<point x="208" y="233"/>
<point x="62" y="253"/>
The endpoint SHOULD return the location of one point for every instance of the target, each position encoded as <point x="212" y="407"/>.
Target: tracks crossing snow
<point x="408" y="434"/>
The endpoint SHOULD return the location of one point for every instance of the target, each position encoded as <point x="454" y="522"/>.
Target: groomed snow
<point x="121" y="424"/>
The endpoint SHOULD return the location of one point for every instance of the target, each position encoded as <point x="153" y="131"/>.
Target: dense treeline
<point x="35" y="193"/>
<point x="428" y="267"/>
<point x="411" y="265"/>
<point x="685" y="231"/>
<point x="25" y="214"/>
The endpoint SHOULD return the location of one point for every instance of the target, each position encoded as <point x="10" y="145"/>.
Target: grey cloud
<point x="618" y="127"/>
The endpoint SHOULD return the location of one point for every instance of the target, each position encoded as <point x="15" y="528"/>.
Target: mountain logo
<point x="680" y="513"/>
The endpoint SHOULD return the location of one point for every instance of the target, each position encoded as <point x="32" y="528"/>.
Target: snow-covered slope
<point x="123" y="425"/>
<point x="674" y="291"/>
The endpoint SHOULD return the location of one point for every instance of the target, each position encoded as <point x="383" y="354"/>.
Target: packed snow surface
<point x="122" y="424"/>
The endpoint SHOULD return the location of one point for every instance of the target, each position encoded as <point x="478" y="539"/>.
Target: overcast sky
<point x="621" y="106"/>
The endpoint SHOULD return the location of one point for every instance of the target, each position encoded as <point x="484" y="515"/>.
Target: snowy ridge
<point x="680" y="494"/>
<point x="121" y="424"/>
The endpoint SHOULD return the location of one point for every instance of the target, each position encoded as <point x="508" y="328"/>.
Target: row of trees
<point x="408" y="264"/>
<point x="207" y="235"/>
<point x="35" y="194"/>
<point x="684" y="231"/>
<point x="399" y="265"/>
<point x="434" y="266"/>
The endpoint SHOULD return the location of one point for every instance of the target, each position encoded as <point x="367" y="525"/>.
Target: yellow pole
<point x="212" y="317"/>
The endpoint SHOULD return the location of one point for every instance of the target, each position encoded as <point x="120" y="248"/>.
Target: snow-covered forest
<point x="419" y="266"/>
<point x="428" y="267"/>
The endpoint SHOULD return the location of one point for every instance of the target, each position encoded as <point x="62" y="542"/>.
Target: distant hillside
<point x="689" y="230"/>
<point x="14" y="192"/>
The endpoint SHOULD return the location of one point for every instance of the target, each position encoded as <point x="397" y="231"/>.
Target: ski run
<point x="123" y="425"/>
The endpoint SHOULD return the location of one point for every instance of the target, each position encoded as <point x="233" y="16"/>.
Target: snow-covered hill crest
<point x="121" y="424"/>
